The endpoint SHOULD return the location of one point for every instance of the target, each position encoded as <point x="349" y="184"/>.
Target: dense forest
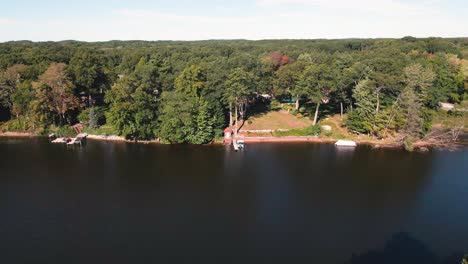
<point x="188" y="92"/>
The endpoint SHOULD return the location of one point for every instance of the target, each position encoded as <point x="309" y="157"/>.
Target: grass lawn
<point x="274" y="120"/>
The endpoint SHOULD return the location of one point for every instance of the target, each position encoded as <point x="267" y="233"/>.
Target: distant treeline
<point x="188" y="92"/>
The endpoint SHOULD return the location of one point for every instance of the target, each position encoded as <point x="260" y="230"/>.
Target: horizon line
<point x="222" y="39"/>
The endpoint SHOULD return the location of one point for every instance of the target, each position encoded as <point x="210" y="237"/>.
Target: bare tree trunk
<point x="236" y="119"/>
<point x="377" y="108"/>
<point x="242" y="110"/>
<point x="341" y="106"/>
<point x="297" y="103"/>
<point x="316" y="114"/>
<point x="378" y="105"/>
<point x="61" y="119"/>
<point x="230" y="114"/>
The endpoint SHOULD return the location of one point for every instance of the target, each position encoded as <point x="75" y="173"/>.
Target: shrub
<point x="358" y="122"/>
<point x="62" y="131"/>
<point x="83" y="117"/>
<point x="16" y="125"/>
<point x="275" y="105"/>
<point x="97" y="117"/>
<point x="314" y="130"/>
<point x="93" y="117"/>
<point x="408" y="143"/>
<point x="289" y="107"/>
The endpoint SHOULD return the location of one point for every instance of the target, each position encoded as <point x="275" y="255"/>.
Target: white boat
<point x="241" y="143"/>
<point x="238" y="144"/>
<point x="345" y="143"/>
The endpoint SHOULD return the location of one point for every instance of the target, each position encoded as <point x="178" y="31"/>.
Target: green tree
<point x="132" y="110"/>
<point x="445" y="85"/>
<point x="122" y="109"/>
<point x="185" y="115"/>
<point x="96" y="117"/>
<point x="9" y="80"/>
<point x="191" y="81"/>
<point x="145" y="119"/>
<point x="147" y="76"/>
<point x="133" y="102"/>
<point x="318" y="81"/>
<point x="176" y="120"/>
<point x="204" y="121"/>
<point x="41" y="108"/>
<point x="239" y="87"/>
<point x="287" y="79"/>
<point x="362" y="118"/>
<point x="22" y="98"/>
<point x="411" y="106"/>
<point x="419" y="79"/>
<point x="87" y="73"/>
<point x="349" y="78"/>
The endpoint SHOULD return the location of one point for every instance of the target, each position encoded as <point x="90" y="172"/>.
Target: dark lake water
<point x="272" y="203"/>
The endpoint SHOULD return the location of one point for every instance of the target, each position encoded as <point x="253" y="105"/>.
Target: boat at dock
<point x="238" y="144"/>
<point x="345" y="143"/>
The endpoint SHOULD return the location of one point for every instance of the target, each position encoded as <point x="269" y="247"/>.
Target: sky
<point x="101" y="20"/>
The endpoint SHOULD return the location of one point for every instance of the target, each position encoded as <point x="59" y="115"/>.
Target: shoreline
<point x="18" y="134"/>
<point x="318" y="140"/>
<point x="250" y="140"/>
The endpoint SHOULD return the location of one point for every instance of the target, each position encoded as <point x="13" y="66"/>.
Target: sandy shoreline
<point x="249" y="140"/>
<point x="289" y="139"/>
<point x="317" y="140"/>
<point x="107" y="138"/>
<point x="18" y="134"/>
<point x="312" y="139"/>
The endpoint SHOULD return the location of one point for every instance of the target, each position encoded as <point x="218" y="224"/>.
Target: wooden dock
<point x="78" y="140"/>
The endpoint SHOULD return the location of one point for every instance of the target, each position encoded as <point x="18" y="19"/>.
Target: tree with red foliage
<point x="276" y="59"/>
<point x="59" y="90"/>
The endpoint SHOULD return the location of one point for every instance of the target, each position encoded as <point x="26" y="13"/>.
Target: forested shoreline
<point x="188" y="92"/>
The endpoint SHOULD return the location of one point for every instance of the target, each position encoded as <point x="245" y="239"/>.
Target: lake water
<point x="272" y="203"/>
